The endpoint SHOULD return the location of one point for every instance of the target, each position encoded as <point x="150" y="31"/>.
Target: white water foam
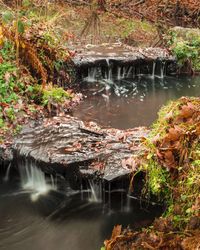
<point x="6" y="177"/>
<point x="33" y="179"/>
<point x="96" y="192"/>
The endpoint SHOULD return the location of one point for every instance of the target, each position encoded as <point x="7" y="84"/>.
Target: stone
<point x="70" y="147"/>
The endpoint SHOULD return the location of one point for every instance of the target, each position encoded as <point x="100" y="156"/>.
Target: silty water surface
<point x="63" y="220"/>
<point x="128" y="103"/>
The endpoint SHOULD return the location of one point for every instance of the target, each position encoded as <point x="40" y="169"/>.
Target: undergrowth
<point x="21" y="97"/>
<point x="186" y="49"/>
<point x="35" y="63"/>
<point x="172" y="162"/>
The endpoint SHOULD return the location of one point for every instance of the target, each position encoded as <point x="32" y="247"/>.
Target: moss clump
<point x="172" y="162"/>
<point x="49" y="95"/>
<point x="55" y="95"/>
<point x="172" y="166"/>
<point x="156" y="179"/>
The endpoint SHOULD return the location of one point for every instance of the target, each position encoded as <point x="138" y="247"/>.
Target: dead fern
<point x="28" y="54"/>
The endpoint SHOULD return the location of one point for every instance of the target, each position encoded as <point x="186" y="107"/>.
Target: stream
<point x="36" y="213"/>
<point x="134" y="102"/>
<point x="63" y="220"/>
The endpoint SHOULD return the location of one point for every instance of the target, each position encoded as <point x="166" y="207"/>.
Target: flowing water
<point x="127" y="103"/>
<point x="33" y="179"/>
<point x="35" y="213"/>
<point x="67" y="220"/>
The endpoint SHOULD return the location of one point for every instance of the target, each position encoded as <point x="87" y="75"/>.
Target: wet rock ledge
<point x="121" y="53"/>
<point x="67" y="146"/>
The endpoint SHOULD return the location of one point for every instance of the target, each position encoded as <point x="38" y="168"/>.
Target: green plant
<point x="186" y="49"/>
<point x="8" y="82"/>
<point x="2" y="124"/>
<point x="7" y="52"/>
<point x="157" y="178"/>
<point x="172" y="162"/>
<point x="55" y="95"/>
<point x="10" y="114"/>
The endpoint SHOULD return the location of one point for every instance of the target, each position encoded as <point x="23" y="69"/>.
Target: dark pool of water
<point x="62" y="221"/>
<point x="132" y="102"/>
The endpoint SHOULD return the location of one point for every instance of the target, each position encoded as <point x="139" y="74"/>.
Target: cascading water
<point x="91" y="74"/>
<point x="6" y="177"/>
<point x="111" y="72"/>
<point x="128" y="202"/>
<point x="33" y="179"/>
<point x="153" y="69"/>
<point x="129" y="71"/>
<point x="96" y="191"/>
<point x="162" y="70"/>
<point x="118" y="73"/>
<point x="44" y="224"/>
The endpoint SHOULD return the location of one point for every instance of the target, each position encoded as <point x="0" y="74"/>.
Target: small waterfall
<point x="33" y="179"/>
<point x="129" y="71"/>
<point x="128" y="202"/>
<point x="92" y="74"/>
<point x="118" y="73"/>
<point x="54" y="182"/>
<point x="153" y="70"/>
<point x="123" y="72"/>
<point x="6" y="177"/>
<point x="107" y="61"/>
<point x="162" y="70"/>
<point x="109" y="74"/>
<point x="110" y="71"/>
<point x="96" y="191"/>
<point x="109" y="77"/>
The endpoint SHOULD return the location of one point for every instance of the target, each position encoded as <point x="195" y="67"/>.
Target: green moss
<point x="48" y="95"/>
<point x="55" y="95"/>
<point x="157" y="178"/>
<point x="178" y="185"/>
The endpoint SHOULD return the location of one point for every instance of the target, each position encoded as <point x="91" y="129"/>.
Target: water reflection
<point x="132" y="102"/>
<point x="62" y="221"/>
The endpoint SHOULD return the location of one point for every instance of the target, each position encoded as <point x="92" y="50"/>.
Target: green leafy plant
<point x="55" y="95"/>
<point x="186" y="49"/>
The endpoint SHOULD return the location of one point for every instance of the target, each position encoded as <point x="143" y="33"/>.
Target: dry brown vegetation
<point x="172" y="168"/>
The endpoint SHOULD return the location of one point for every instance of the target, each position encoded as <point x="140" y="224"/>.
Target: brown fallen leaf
<point x="70" y="149"/>
<point x="115" y="233"/>
<point x="77" y="145"/>
<point x="186" y="111"/>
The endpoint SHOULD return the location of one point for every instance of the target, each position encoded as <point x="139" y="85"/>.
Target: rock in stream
<point x="67" y="146"/>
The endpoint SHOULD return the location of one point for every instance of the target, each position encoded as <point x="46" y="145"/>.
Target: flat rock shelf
<point x="119" y="61"/>
<point x="69" y="146"/>
<point x="120" y="52"/>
